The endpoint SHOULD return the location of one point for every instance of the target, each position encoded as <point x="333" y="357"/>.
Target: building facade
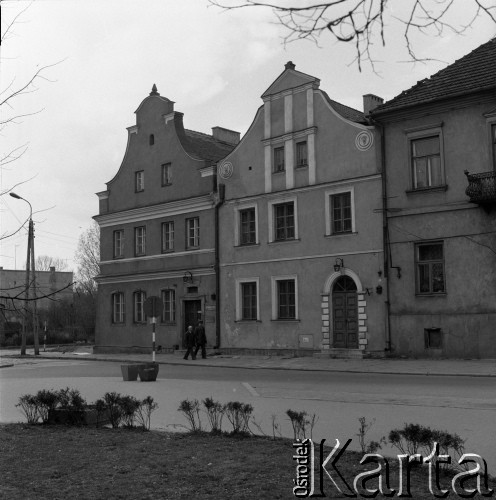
<point x="157" y="227"/>
<point x="301" y="253"/>
<point x="440" y="173"/>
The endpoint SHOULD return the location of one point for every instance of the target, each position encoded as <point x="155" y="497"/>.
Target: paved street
<point x="465" y="405"/>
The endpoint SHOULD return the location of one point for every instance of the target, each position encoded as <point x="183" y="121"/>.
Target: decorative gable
<point x="290" y="79"/>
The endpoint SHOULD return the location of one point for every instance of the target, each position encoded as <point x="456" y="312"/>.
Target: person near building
<point x="201" y="339"/>
<point x="190" y="340"/>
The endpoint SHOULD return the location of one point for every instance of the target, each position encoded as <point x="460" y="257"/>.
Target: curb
<point x="279" y="368"/>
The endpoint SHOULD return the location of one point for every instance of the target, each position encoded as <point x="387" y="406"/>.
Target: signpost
<point x="153" y="309"/>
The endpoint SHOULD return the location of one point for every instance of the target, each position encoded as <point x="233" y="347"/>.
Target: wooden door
<point x="192" y="314"/>
<point x="345" y="314"/>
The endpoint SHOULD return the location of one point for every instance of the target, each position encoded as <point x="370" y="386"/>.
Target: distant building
<point x="157" y="223"/>
<point x="301" y="252"/>
<point x="440" y="217"/>
<point x="51" y="287"/>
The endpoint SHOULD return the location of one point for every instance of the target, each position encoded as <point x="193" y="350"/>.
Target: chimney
<point x="370" y="102"/>
<point x="226" y="135"/>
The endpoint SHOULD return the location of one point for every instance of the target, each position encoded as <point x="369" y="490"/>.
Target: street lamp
<point x="29" y="267"/>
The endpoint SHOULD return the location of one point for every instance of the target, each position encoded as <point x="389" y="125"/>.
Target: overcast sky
<point x="215" y="65"/>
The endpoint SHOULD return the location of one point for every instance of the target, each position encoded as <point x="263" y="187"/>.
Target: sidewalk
<point x="407" y="366"/>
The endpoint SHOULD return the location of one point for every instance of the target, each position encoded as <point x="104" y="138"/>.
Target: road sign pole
<point x="154" y="320"/>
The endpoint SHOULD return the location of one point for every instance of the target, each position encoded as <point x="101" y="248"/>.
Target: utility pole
<point x="29" y="311"/>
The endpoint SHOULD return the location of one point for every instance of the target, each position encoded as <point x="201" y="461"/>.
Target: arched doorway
<point x="345" y="313"/>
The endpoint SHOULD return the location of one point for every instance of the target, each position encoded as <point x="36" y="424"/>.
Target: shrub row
<point x="113" y="408"/>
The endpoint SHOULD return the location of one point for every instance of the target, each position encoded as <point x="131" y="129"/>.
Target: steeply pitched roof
<point x="345" y="111"/>
<point x="205" y="146"/>
<point x="472" y="73"/>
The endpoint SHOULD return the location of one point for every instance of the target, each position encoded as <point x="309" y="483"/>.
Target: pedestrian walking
<point x="201" y="339"/>
<point x="190" y="340"/>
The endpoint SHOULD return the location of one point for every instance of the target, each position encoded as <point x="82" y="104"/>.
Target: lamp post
<point x="29" y="267"/>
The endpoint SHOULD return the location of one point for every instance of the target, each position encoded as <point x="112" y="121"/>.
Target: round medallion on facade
<point x="364" y="140"/>
<point x="226" y="170"/>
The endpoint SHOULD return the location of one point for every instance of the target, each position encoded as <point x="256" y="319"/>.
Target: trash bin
<point x="148" y="372"/>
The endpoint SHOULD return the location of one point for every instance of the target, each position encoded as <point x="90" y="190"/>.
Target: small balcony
<point x="482" y="188"/>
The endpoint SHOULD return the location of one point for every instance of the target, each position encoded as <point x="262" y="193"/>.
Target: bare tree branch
<point x="361" y="22"/>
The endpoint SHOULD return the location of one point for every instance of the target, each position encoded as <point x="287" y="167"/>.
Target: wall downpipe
<point x="220" y="189"/>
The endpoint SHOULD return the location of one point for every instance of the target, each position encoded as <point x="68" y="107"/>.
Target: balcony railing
<point x="481" y="187"/>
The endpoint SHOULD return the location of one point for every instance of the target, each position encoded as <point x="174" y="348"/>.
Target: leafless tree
<point x="45" y="262"/>
<point x="88" y="259"/>
<point x="364" y="22"/>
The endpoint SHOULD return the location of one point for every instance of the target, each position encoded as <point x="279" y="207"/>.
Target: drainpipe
<point x="385" y="231"/>
<point x="221" y="190"/>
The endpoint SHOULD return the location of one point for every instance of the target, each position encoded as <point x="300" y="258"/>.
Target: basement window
<point x="433" y="338"/>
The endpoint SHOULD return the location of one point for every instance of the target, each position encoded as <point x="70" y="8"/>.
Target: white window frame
<point x="328" y="208"/>
<point x="142" y="239"/>
<point x="172" y="314"/>
<point x="171" y="236"/>
<point x="275" y="298"/>
<point x="141" y="312"/>
<point x="118" y="317"/>
<point x="425" y="133"/>
<point x="139" y="181"/>
<point x="196" y="232"/>
<point x="239" y="301"/>
<point x="237" y="223"/>
<point x="166" y="174"/>
<point x="271" y="215"/>
<point x="118" y="243"/>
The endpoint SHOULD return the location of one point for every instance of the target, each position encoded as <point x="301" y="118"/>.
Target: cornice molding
<point x="168" y="255"/>
<point x="289" y="136"/>
<point x="156" y="211"/>
<point x="133" y="278"/>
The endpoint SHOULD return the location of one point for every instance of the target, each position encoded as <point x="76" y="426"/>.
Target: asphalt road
<point x="464" y="405"/>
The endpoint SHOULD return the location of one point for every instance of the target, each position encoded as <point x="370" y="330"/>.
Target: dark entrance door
<point x="345" y="314"/>
<point x="192" y="314"/>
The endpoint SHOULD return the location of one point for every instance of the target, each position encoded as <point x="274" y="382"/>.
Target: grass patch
<point x="55" y="462"/>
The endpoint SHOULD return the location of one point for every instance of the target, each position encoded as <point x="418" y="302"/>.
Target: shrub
<point x="144" y="412"/>
<point x="47" y="401"/>
<point x="371" y="446"/>
<point x="215" y="414"/>
<point x="29" y="406"/>
<point x="129" y="406"/>
<point x="299" y="421"/>
<point x="101" y="410"/>
<point x="191" y="410"/>
<point x="112" y="402"/>
<point x="238" y="415"/>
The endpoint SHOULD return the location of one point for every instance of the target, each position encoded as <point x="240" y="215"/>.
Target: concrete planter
<point x="148" y="372"/>
<point x="129" y="372"/>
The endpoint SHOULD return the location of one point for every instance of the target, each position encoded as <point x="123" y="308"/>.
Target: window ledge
<point x="295" y="320"/>
<point x="303" y="165"/>
<point x="433" y="294"/>
<point x="334" y="235"/>
<point x="117" y="257"/>
<point x="443" y="187"/>
<point x="248" y="321"/>
<point x="292" y="240"/>
<point x="167" y="251"/>
<point x="192" y="248"/>
<point x="244" y="245"/>
<point x="274" y="172"/>
<point x="168" y="323"/>
<point x="165" y="185"/>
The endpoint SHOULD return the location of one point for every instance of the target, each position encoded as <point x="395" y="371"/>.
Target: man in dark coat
<point x="201" y="339"/>
<point x="190" y="341"/>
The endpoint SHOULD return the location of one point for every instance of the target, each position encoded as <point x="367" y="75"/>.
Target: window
<point x="139" y="298"/>
<point x="169" y="306"/>
<point x="118" y="307"/>
<point x="249" y="302"/>
<point x="118" y="244"/>
<point x="193" y="232"/>
<point x="426" y="162"/>
<point x="167" y="237"/>
<point x="341" y="213"/>
<point x="430" y="268"/>
<point x="140" y="240"/>
<point x="286" y="299"/>
<point x="247" y="226"/>
<point x="284" y="221"/>
<point x="152" y="140"/>
<point x="166" y="174"/>
<point x="139" y="181"/>
<point x="279" y="159"/>
<point x="301" y="154"/>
